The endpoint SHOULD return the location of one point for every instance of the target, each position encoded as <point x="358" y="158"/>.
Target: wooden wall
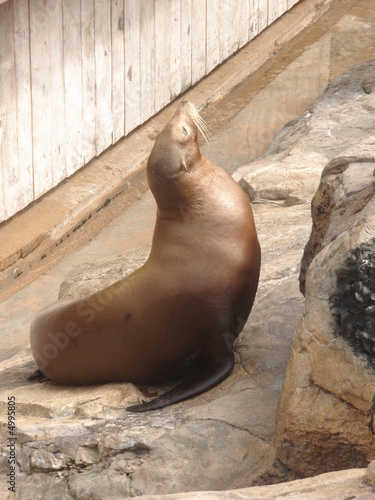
<point x="77" y="75"/>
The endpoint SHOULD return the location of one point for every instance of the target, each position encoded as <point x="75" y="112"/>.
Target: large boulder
<point x="330" y="381"/>
<point x="329" y="387"/>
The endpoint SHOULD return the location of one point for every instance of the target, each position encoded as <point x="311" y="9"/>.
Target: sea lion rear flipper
<point x="37" y="376"/>
<point x="210" y="371"/>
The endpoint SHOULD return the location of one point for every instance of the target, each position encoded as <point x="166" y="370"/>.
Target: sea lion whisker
<point x="198" y="120"/>
<point x="202" y="127"/>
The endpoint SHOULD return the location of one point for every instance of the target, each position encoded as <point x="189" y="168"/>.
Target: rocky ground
<point x="330" y="382"/>
<point x="81" y="442"/>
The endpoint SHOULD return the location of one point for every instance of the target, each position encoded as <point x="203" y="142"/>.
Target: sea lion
<point x="178" y="315"/>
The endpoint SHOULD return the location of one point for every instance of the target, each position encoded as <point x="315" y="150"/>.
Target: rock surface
<point x="330" y="381"/>
<point x="81" y="442"/>
<point x="354" y="484"/>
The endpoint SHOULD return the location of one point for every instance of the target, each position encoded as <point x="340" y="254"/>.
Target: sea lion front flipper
<point x="38" y="376"/>
<point x="210" y="371"/>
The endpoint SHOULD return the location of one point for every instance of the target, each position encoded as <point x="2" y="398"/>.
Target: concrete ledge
<point x="33" y="240"/>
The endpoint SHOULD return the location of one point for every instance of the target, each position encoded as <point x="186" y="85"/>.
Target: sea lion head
<point x="174" y="156"/>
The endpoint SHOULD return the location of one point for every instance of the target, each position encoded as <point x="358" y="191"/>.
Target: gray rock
<point x="369" y="477"/>
<point x="343" y="485"/>
<point x="330" y="380"/>
<point x="42" y="486"/>
<point x="336" y="124"/>
<point x="93" y="276"/>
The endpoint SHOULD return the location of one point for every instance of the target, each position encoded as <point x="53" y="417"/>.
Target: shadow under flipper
<point x="38" y="376"/>
<point x="211" y="369"/>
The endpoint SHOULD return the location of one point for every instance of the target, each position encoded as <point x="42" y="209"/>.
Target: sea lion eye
<point x="186" y="133"/>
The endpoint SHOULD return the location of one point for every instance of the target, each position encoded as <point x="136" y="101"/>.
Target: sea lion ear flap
<point x="183" y="165"/>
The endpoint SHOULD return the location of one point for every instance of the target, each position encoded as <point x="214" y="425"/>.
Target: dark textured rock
<point x="353" y="301"/>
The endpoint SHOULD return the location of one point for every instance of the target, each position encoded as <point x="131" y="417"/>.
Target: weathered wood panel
<point x="253" y="18"/>
<point x="163" y="45"/>
<point x="276" y="9"/>
<point x="118" y="73"/>
<point x="88" y="79"/>
<point x="47" y="83"/>
<point x="77" y="75"/>
<point x="147" y="54"/>
<point x="73" y="95"/>
<point x="23" y="192"/>
<point x="244" y="21"/>
<point x="212" y="35"/>
<point x="8" y="123"/>
<point x="174" y="49"/>
<point x="103" y="75"/>
<point x="198" y="40"/>
<point x="262" y="7"/>
<point x="132" y="65"/>
<point x="186" y="60"/>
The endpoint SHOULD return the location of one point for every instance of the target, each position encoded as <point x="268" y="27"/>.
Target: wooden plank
<point x="263" y="14"/>
<point x="243" y="15"/>
<point x="273" y="10"/>
<point x="118" y="69"/>
<point x="41" y="97"/>
<point x="132" y="65"/>
<point x="223" y="41"/>
<point x="276" y="9"/>
<point x="46" y="55"/>
<point x="291" y="3"/>
<point x="198" y="39"/>
<point x="213" y="35"/>
<point x="175" y="49"/>
<point x="147" y="54"/>
<point x="8" y="115"/>
<point x="56" y="72"/>
<point x="163" y="45"/>
<point x="103" y="76"/>
<point x="88" y="79"/>
<point x="185" y="49"/>
<point x="283" y="7"/>
<point x="254" y="18"/>
<point x="233" y="25"/>
<point x="73" y="86"/>
<point x="23" y="89"/>
<point x="228" y="29"/>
